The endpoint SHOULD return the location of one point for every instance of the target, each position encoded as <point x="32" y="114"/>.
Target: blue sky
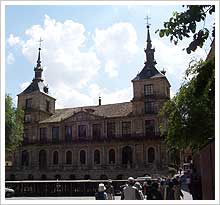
<point x="89" y="50"/>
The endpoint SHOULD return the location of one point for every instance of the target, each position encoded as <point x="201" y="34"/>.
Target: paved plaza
<point x="187" y="196"/>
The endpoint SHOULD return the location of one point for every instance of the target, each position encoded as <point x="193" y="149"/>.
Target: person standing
<point x="177" y="190"/>
<point x="139" y="187"/>
<point x="170" y="191"/>
<point x="130" y="192"/>
<point x="155" y="193"/>
<point x="110" y="190"/>
<point x="101" y="194"/>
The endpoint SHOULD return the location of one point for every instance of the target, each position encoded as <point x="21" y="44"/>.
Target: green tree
<point x="184" y="24"/>
<point x="191" y="113"/>
<point x="13" y="126"/>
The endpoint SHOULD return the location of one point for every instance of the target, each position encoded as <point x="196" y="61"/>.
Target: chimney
<point x="100" y="101"/>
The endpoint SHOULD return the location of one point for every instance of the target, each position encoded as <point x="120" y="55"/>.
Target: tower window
<point x="47" y="105"/>
<point x="149" y="127"/>
<point x="27" y="118"/>
<point x="148" y="90"/>
<point x="28" y="103"/>
<point x="149" y="107"/>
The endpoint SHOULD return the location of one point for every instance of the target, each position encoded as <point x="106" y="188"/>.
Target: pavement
<point x="187" y="196"/>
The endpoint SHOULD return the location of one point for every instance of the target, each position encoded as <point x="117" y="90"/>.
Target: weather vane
<point x="147" y="18"/>
<point x="40" y="42"/>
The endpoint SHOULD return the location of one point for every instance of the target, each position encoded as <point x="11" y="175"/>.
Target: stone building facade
<point x="93" y="142"/>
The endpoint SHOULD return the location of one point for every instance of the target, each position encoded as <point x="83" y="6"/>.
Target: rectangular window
<point x="43" y="134"/>
<point x="149" y="107"/>
<point x="26" y="135"/>
<point x="149" y="127"/>
<point x="111" y="129"/>
<point x="55" y="134"/>
<point x="82" y="131"/>
<point x="126" y="129"/>
<point x="96" y="131"/>
<point x="68" y="133"/>
<point x="27" y="118"/>
<point x="148" y="90"/>
<point x="47" y="105"/>
<point x="28" y="103"/>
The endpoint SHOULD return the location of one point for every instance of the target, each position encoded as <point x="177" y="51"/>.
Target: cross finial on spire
<point x="147" y="18"/>
<point x="40" y="42"/>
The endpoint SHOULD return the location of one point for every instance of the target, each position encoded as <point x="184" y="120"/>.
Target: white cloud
<point x="117" y="45"/>
<point x="10" y="58"/>
<point x="24" y="85"/>
<point x="111" y="68"/>
<point x="13" y="40"/>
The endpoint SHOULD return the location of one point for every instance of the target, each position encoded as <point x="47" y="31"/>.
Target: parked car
<point x="9" y="192"/>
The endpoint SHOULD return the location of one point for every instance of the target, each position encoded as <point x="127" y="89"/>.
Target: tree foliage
<point x="191" y="113"/>
<point x="184" y="24"/>
<point x="13" y="125"/>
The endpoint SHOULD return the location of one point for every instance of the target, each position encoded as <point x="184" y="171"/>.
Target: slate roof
<point x="110" y="110"/>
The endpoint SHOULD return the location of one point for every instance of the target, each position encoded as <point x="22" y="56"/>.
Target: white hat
<point x="130" y="179"/>
<point x="101" y="187"/>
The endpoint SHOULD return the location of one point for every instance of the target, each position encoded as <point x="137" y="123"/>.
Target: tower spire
<point x="38" y="69"/>
<point x="149" y="50"/>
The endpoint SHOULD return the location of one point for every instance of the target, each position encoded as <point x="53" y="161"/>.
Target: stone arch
<point x="55" y="157"/>
<point x="42" y="159"/>
<point x="97" y="156"/>
<point x="24" y="158"/>
<point x="127" y="155"/>
<point x="82" y="157"/>
<point x="151" y="155"/>
<point x="69" y="157"/>
<point x="111" y="156"/>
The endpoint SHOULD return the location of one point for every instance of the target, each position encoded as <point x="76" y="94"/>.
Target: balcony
<point x="90" y="139"/>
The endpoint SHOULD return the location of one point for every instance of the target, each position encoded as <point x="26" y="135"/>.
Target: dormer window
<point x="28" y="103"/>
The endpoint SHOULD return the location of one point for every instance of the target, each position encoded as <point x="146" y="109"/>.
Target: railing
<point x="59" y="187"/>
<point x="140" y="136"/>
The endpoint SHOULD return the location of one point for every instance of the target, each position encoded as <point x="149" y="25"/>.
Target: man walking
<point x="130" y="192"/>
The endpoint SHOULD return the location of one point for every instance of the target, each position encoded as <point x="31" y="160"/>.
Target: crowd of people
<point x="160" y="189"/>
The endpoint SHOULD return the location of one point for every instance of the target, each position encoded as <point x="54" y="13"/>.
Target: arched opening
<point x="24" y="158"/>
<point x="57" y="177"/>
<point x="97" y="157"/>
<point x="55" y="157"/>
<point x="43" y="177"/>
<point x="103" y="177"/>
<point x="68" y="157"/>
<point x="111" y="156"/>
<point x="87" y="177"/>
<point x="189" y="159"/>
<point x="119" y="177"/>
<point x="127" y="155"/>
<point x="151" y="155"/>
<point x="82" y="157"/>
<point x="72" y="177"/>
<point x="42" y="159"/>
